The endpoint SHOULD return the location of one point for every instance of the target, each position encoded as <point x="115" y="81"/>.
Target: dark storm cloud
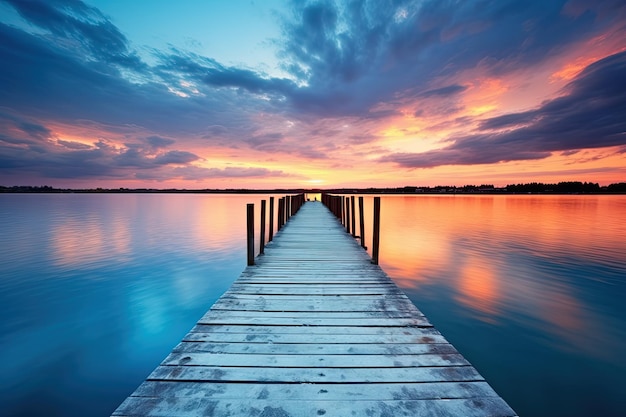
<point x="589" y="115"/>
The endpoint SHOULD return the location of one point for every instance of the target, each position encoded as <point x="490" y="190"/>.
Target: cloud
<point x="446" y="91"/>
<point x="19" y="131"/>
<point x="350" y="57"/>
<point x="39" y="74"/>
<point x="590" y="114"/>
<point x="28" y="148"/>
<point x="73" y="145"/>
<point x="262" y="141"/>
<point x="196" y="173"/>
<point x="86" y="26"/>
<point x="158" y="142"/>
<point x="365" y="61"/>
<point x="176" y="158"/>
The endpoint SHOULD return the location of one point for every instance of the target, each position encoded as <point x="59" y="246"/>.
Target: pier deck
<point x="314" y="329"/>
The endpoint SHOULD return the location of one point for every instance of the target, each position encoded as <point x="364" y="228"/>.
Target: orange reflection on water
<point x="408" y="263"/>
<point x="479" y="286"/>
<point x="408" y="250"/>
<point x="76" y="242"/>
<point x="86" y="240"/>
<point x="493" y="249"/>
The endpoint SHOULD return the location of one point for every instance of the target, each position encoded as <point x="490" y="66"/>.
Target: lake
<point x="96" y="289"/>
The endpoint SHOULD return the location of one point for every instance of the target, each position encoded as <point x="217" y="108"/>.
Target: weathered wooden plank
<point x="305" y="315"/>
<point x="168" y="407"/>
<point x="391" y="323"/>
<point x="313" y="289"/>
<point x="317" y="348"/>
<point x="314" y="361"/>
<point x="306" y="280"/>
<point x="313" y="338"/>
<point x="314" y="298"/>
<point x="298" y="285"/>
<point x="315" y="375"/>
<point x="317" y="392"/>
<point x="296" y="328"/>
<point x="312" y="305"/>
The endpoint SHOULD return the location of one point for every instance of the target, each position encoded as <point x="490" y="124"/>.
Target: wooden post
<point x="281" y="212"/>
<point x="288" y="208"/>
<point x="262" y="242"/>
<point x="250" y="224"/>
<point x="342" y="210"/>
<point x="376" y="231"/>
<point x="348" y="214"/>
<point x="294" y="204"/>
<point x="271" y="231"/>
<point x="353" y="216"/>
<point x="362" y="222"/>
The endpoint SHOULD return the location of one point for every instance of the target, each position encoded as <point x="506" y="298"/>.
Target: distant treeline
<point x="568" y="187"/>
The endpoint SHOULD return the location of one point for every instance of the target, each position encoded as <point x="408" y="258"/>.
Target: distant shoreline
<point x="566" y="188"/>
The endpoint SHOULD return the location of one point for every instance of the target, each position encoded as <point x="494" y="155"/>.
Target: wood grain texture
<point x="314" y="329"/>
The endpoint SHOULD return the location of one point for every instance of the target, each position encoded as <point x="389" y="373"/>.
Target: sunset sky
<point x="266" y="93"/>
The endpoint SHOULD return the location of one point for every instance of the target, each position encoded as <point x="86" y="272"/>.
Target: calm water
<point x="95" y="290"/>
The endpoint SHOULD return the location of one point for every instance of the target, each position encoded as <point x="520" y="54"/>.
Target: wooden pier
<point x="314" y="329"/>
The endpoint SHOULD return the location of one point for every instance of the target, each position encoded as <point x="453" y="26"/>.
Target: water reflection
<point x="96" y="289"/>
<point x="544" y="275"/>
<point x="479" y="287"/>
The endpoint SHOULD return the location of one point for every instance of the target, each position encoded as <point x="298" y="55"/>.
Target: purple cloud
<point x="589" y="115"/>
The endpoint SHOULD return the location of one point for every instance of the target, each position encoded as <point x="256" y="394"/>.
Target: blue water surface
<point x="96" y="289"/>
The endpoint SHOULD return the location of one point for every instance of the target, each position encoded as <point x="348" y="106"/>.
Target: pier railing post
<point x="376" y="231"/>
<point x="271" y="231"/>
<point x="353" y="216"/>
<point x="281" y="212"/>
<point x="362" y="222"/>
<point x="348" y="214"/>
<point x="262" y="233"/>
<point x="340" y="209"/>
<point x="250" y="223"/>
